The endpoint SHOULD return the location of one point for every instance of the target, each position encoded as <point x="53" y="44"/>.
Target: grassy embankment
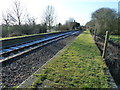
<point x="115" y="38"/>
<point x="79" y="65"/>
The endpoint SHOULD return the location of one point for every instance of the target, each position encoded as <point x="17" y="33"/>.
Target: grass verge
<point x="77" y="66"/>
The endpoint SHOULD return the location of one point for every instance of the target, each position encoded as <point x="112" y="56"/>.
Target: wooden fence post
<point x="105" y="44"/>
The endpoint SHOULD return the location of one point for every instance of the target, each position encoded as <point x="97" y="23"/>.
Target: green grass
<point x="14" y="87"/>
<point x="115" y="38"/>
<point x="77" y="66"/>
<point x="22" y="36"/>
<point x="16" y="37"/>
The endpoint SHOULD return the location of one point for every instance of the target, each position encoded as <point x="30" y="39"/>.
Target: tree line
<point x="16" y="22"/>
<point x="104" y="19"/>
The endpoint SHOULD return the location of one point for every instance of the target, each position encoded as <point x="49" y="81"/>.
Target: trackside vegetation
<point x="77" y="66"/>
<point x="115" y="38"/>
<point x="22" y="36"/>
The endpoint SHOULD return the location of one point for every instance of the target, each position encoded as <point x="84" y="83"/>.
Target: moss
<point x="79" y="65"/>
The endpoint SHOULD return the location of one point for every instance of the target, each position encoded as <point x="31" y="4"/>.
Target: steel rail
<point x="22" y="49"/>
<point x="17" y="47"/>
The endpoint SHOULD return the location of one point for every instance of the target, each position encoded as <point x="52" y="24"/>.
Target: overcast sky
<point x="80" y="10"/>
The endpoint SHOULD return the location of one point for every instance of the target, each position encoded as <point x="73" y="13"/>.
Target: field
<point x="115" y="38"/>
<point x="77" y="66"/>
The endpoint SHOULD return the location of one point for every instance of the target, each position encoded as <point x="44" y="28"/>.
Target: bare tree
<point x="8" y="19"/>
<point x="31" y="20"/>
<point x="17" y="13"/>
<point x="13" y="19"/>
<point x="49" y="16"/>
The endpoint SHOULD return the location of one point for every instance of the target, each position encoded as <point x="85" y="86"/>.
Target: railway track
<point x="15" y="50"/>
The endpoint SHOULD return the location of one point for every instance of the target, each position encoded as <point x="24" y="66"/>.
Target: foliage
<point x="25" y="29"/>
<point x="79" y="65"/>
<point x="70" y="24"/>
<point x="104" y="19"/>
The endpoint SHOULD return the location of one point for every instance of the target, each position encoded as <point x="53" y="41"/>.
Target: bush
<point x="16" y="30"/>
